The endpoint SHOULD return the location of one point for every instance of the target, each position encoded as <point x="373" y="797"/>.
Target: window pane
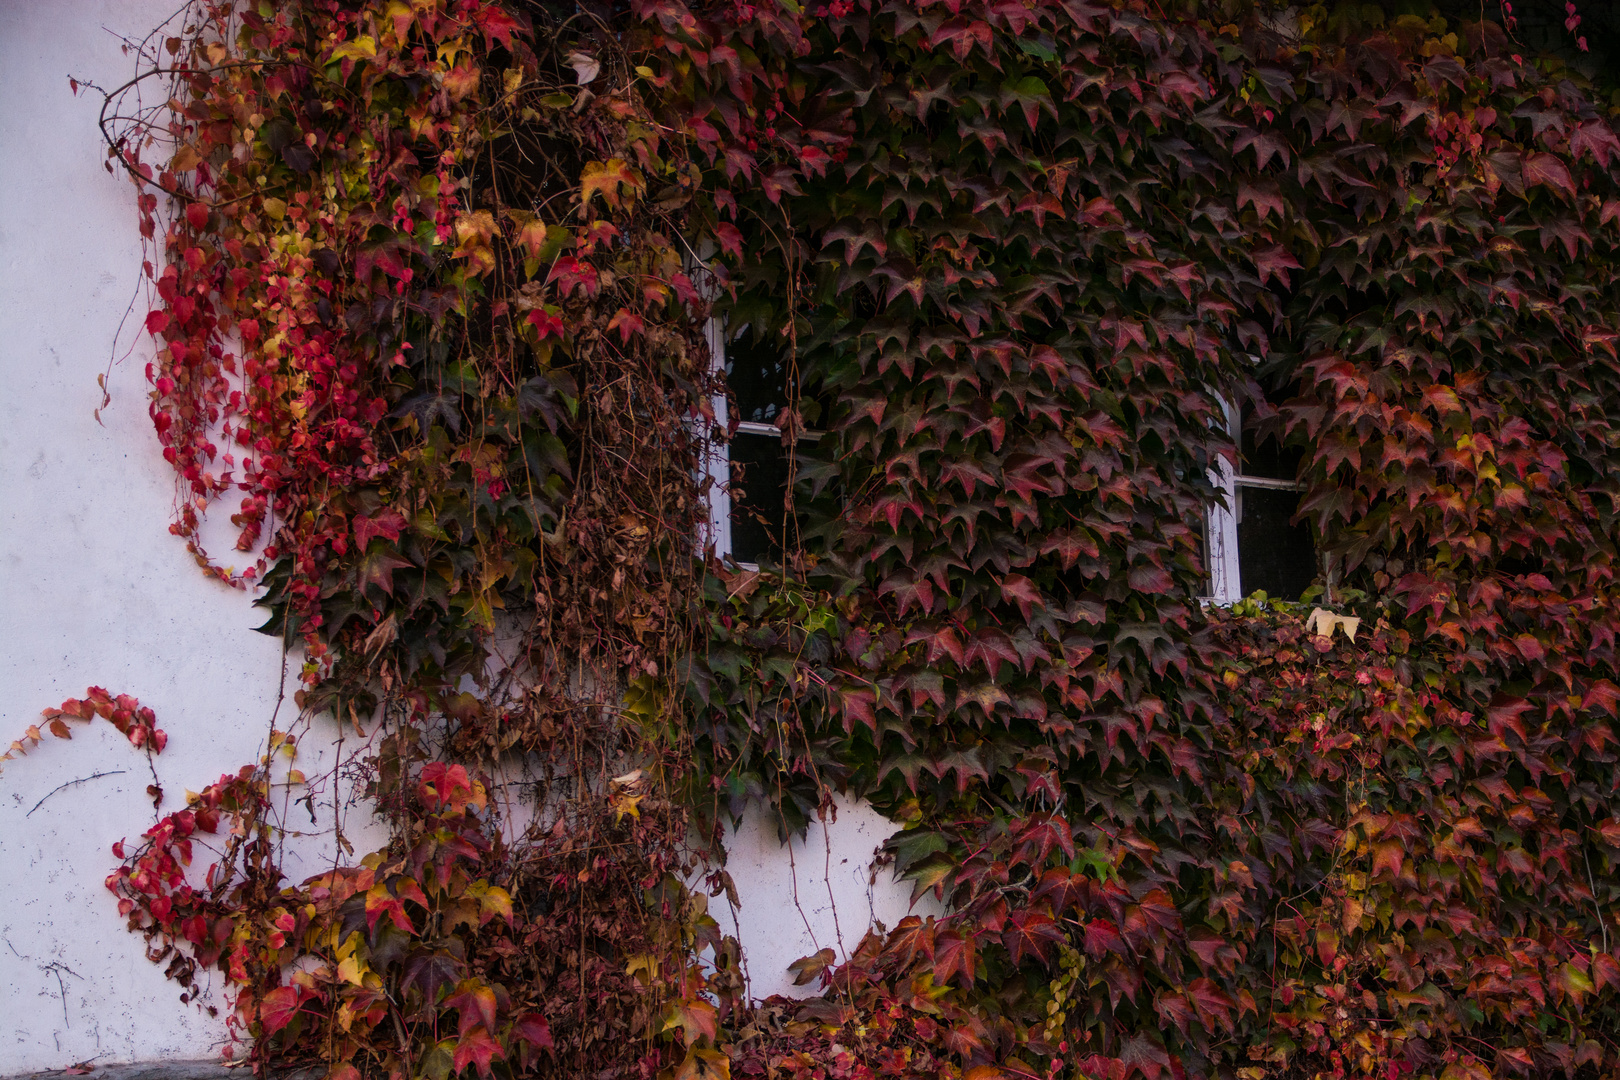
<point x="755" y="374"/>
<point x="1273" y="555"/>
<point x="1267" y="457"/>
<point x="759" y="475"/>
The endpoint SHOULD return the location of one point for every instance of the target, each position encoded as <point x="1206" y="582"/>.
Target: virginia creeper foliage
<point x="430" y="305"/>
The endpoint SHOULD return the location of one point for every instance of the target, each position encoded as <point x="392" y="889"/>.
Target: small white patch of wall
<point x="94" y="591"/>
<point x="824" y="890"/>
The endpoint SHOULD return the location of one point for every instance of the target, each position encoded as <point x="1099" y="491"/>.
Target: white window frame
<point x="716" y="538"/>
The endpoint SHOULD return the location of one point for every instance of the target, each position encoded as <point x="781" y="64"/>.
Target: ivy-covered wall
<point x="431" y="327"/>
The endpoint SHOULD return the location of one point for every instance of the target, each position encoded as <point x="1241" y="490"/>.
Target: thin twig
<point x="72" y="783"/>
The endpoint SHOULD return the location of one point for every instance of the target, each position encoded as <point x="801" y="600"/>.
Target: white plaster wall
<point x="94" y="591"/>
<point x="821" y="891"/>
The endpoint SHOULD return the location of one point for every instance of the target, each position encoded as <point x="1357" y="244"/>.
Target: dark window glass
<point x="759" y="470"/>
<point x="1201" y="535"/>
<point x="1265" y="456"/>
<point x="756" y="377"/>
<point x="1273" y="555"/>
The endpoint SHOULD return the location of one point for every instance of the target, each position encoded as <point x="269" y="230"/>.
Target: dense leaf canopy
<point x="439" y="275"/>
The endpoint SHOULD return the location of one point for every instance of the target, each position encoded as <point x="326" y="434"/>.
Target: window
<point x="1250" y="542"/>
<point x="751" y="513"/>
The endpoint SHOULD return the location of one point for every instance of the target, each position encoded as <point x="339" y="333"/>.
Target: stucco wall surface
<point x="94" y="591"/>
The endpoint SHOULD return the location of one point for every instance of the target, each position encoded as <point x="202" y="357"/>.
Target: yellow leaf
<point x="450" y="50"/>
<point x="606" y="179"/>
<point x="352" y="971"/>
<point x="185" y="159"/>
<point x="401" y="15"/>
<point x="704" y="1065"/>
<point x="361" y="48"/>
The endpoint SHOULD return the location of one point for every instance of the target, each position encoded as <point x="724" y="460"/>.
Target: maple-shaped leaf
<point x="1213" y="1005"/>
<point x="986" y="695"/>
<point x="1264" y="196"/>
<point x="856" y="703"/>
<point x="430" y="406"/>
<point x="704" y="1064"/>
<point x="1550" y="171"/>
<point x="1174" y="1007"/>
<point x="477" y="1047"/>
<point x="431" y="971"/>
<point x="496" y="24"/>
<point x="386" y="524"/>
<point x="475" y="1002"/>
<point x="808" y="969"/>
<point x="391" y="255"/>
<point x="377" y="566"/>
<point x="1597" y="138"/>
<point x="278" y="1007"/>
<point x="1103" y="937"/>
<point x="492" y="901"/>
<point x="1031" y="932"/>
<point x="1022" y="591"/>
<point x="1388" y="857"/>
<point x="615" y="180"/>
<point x="1566" y="231"/>
<point x="1574" y="982"/>
<point x="1273" y="260"/>
<point x="1150" y="579"/>
<point x="855" y="237"/>
<point x="695" y="1017"/>
<point x="627" y="323"/>
<point x="1147" y="1053"/>
<point x="532" y="1028"/>
<point x="954" y="953"/>
<point x="380" y="902"/>
<point x="1265" y="144"/>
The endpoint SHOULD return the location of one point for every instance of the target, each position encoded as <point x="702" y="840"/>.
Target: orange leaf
<point x="607" y="180"/>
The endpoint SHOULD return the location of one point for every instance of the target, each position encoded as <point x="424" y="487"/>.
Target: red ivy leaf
<point x="532" y="1028"/>
<point x="387" y="524"/>
<point x="1548" y="170"/>
<point x="730" y="237"/>
<point x="475" y="1001"/>
<point x="278" y="1007"/>
<point x="477" y="1046"/>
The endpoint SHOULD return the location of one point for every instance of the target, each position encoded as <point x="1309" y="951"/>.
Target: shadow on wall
<point x="820" y="891"/>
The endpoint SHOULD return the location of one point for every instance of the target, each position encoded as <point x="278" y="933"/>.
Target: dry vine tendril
<point x="425" y="304"/>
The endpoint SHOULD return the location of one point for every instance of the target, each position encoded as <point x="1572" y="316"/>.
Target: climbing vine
<point x="431" y="299"/>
